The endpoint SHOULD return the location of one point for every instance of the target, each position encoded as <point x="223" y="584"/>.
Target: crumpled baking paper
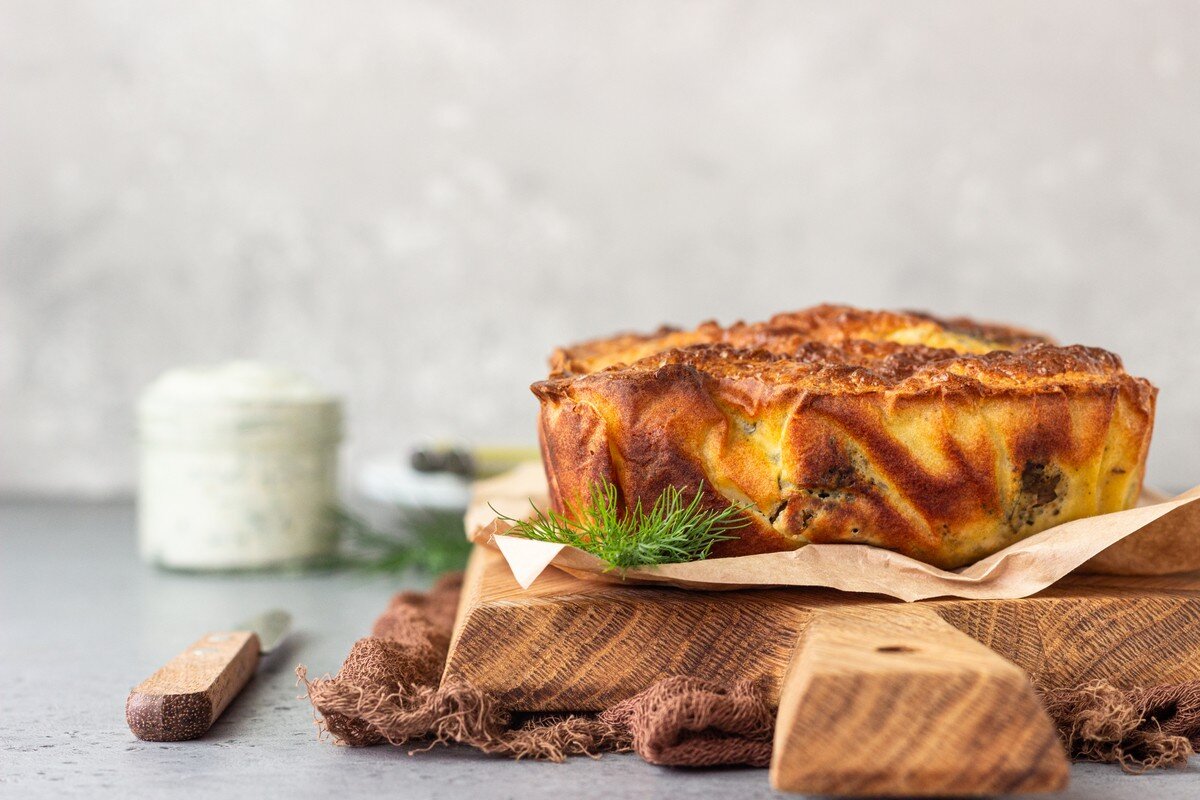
<point x="1019" y="570"/>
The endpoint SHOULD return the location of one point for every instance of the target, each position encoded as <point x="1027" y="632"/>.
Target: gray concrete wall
<point x="414" y="201"/>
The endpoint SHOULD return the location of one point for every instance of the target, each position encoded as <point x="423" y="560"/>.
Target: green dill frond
<point x="426" y="540"/>
<point x="671" y="532"/>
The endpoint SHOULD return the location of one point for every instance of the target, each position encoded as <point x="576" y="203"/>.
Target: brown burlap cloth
<point x="389" y="690"/>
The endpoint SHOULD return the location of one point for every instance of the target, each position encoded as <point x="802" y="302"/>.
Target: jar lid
<point x="240" y="398"/>
<point x="233" y="382"/>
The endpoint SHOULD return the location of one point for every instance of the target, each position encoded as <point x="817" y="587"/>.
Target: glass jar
<point x="238" y="469"/>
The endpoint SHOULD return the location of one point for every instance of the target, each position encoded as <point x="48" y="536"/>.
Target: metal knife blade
<point x="271" y="626"/>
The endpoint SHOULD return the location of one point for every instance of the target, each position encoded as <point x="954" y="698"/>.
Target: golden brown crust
<point x="944" y="440"/>
<point x="784" y="333"/>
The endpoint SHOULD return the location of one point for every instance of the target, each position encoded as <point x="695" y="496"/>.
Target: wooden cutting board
<point x="875" y="696"/>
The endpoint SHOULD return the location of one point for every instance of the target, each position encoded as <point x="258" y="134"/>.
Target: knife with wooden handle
<point x="185" y="697"/>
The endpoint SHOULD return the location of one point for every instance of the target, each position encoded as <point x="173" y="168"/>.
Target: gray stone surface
<point x="81" y="621"/>
<point x="414" y="200"/>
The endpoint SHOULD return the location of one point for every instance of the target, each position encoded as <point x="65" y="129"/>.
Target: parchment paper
<point x="1019" y="570"/>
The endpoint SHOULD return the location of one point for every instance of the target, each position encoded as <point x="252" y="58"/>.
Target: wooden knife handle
<point x="183" y="699"/>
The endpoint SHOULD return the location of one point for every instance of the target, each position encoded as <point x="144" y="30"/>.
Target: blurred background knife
<point x="183" y="699"/>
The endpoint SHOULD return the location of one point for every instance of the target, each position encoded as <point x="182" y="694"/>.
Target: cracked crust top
<point x="786" y="333"/>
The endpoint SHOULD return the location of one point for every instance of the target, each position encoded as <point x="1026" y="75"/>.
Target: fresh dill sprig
<point x="427" y="540"/>
<point x="671" y="532"/>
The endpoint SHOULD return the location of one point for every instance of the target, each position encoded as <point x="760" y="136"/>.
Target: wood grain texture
<point x="875" y="696"/>
<point x="1128" y="638"/>
<point x="182" y="699"/>
<point x="895" y="701"/>
<point x="570" y="644"/>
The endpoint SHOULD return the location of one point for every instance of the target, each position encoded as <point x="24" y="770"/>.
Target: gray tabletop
<point x="82" y="621"/>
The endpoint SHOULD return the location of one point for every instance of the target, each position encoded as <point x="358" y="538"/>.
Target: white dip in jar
<point x="238" y="468"/>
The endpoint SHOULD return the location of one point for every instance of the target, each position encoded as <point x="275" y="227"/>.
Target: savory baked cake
<point x="945" y="440"/>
